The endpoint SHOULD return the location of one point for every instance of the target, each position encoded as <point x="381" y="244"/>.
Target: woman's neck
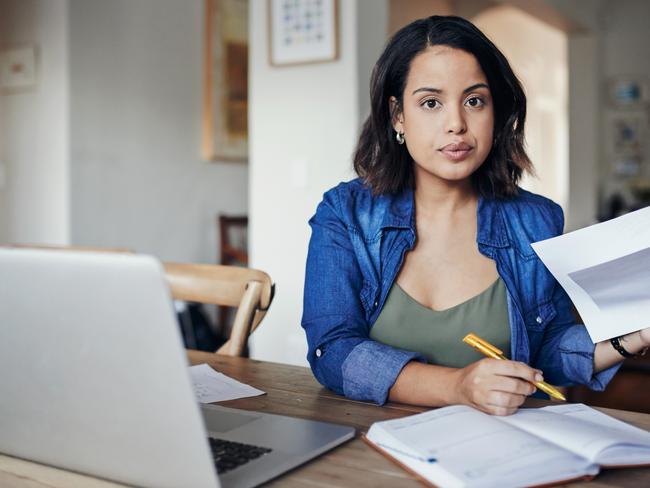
<point x="445" y="199"/>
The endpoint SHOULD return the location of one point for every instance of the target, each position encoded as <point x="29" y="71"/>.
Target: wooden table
<point x="292" y="390"/>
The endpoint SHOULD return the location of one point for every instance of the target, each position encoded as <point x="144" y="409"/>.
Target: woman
<point x="433" y="241"/>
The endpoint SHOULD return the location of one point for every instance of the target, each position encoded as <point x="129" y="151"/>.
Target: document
<point x="212" y="386"/>
<point x="459" y="446"/>
<point x="605" y="270"/>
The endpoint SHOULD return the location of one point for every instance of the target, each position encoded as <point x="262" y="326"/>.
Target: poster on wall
<point x="225" y="84"/>
<point x="17" y="69"/>
<point x="302" y="31"/>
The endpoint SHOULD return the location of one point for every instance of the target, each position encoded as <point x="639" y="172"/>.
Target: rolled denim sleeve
<point x="371" y="368"/>
<point x="567" y="354"/>
<point x="341" y="355"/>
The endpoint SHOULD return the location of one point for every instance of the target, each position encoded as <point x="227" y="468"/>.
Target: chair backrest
<point x="250" y="290"/>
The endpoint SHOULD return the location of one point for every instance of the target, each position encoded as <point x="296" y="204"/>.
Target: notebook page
<point x="578" y="435"/>
<point x="476" y="448"/>
<point x="637" y="453"/>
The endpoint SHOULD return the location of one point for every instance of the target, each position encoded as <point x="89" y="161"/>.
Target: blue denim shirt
<point x="356" y="250"/>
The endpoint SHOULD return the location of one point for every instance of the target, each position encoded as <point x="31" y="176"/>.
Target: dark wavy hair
<point x="388" y="167"/>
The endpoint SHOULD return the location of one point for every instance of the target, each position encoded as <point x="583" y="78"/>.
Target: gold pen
<point x="490" y="351"/>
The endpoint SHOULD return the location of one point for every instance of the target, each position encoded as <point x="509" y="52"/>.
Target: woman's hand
<point x="645" y="336"/>
<point x="494" y="386"/>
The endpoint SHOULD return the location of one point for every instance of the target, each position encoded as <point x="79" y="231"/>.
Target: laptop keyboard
<point x="229" y="455"/>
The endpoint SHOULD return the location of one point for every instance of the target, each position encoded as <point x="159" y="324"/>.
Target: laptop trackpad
<point x="220" y="419"/>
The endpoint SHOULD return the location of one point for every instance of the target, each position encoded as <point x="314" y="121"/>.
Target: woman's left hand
<point x="645" y="336"/>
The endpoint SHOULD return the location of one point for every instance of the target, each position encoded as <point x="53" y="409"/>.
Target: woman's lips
<point x="456" y="152"/>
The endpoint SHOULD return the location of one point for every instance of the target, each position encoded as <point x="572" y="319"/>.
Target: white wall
<point x="137" y="177"/>
<point x="304" y="123"/>
<point x="34" y="127"/>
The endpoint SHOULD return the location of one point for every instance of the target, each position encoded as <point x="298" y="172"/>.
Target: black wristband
<point x="621" y="350"/>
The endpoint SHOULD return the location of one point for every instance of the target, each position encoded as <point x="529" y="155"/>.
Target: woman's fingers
<point x="517" y="369"/>
<point x="509" y="384"/>
<point x="498" y="387"/>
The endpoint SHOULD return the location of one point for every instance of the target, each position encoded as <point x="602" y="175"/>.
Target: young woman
<point x="433" y="241"/>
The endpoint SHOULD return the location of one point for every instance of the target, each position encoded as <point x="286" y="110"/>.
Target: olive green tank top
<point x="406" y="324"/>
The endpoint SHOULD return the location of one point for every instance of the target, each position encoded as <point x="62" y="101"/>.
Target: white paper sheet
<point x="605" y="269"/>
<point x="212" y="386"/>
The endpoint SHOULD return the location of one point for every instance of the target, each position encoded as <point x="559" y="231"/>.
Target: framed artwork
<point x="629" y="91"/>
<point x="303" y="31"/>
<point x="17" y="69"/>
<point x="225" y="84"/>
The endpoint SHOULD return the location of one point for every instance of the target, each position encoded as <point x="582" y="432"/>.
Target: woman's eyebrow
<point x="438" y="90"/>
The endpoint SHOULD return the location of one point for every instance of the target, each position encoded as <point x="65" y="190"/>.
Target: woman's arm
<point x="342" y="356"/>
<point x="493" y="386"/>
<point x="606" y="355"/>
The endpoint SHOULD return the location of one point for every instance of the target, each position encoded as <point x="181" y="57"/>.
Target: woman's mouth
<point x="456" y="151"/>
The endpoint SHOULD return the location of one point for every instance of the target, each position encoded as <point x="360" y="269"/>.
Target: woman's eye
<point x="475" y="102"/>
<point x="431" y="103"/>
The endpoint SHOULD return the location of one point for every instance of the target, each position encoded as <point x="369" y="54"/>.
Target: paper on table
<point x="212" y="386"/>
<point x="605" y="269"/>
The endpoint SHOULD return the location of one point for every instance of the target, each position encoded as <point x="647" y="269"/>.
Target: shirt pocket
<point x="540" y="316"/>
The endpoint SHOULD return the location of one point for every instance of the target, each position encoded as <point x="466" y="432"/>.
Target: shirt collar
<point x="400" y="212"/>
<point x="491" y="231"/>
<point x="491" y="227"/>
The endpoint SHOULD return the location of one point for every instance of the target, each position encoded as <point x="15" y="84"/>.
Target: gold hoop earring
<point x="399" y="136"/>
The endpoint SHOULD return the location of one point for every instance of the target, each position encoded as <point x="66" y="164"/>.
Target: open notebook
<point x="461" y="447"/>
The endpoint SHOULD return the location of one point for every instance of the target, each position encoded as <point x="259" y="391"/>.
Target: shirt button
<point x="538" y="320"/>
<point x="376" y="303"/>
<point x="319" y="353"/>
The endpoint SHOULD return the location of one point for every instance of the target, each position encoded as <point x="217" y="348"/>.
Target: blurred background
<point x="139" y="123"/>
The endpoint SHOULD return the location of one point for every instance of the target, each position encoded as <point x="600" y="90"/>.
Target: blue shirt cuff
<point x="577" y="353"/>
<point x="371" y="368"/>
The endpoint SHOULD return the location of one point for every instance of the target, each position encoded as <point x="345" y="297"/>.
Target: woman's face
<point x="447" y="115"/>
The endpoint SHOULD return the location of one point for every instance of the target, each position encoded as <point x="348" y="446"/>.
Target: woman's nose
<point x="455" y="122"/>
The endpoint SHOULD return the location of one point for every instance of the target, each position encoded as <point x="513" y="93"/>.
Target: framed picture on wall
<point x="17" y="69"/>
<point x="225" y="84"/>
<point x="629" y="91"/>
<point x="303" y="31"/>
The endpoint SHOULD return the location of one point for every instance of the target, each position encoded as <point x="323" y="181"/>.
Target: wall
<point x="537" y="54"/>
<point x="401" y="13"/>
<point x="34" y="127"/>
<point x="304" y="124"/>
<point x="625" y="38"/>
<point x="137" y="178"/>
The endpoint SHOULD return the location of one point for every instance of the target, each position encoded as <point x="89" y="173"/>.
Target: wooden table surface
<point x="292" y="390"/>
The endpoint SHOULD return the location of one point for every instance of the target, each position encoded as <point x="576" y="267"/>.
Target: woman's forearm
<point x="424" y="384"/>
<point x="605" y="355"/>
<point x="491" y="385"/>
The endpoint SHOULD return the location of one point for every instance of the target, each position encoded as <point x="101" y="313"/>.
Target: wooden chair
<point x="232" y="234"/>
<point x="250" y="290"/>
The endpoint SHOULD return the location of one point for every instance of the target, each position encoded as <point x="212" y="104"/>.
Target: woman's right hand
<point x="495" y="386"/>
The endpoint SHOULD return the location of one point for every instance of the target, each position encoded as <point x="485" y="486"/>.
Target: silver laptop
<point x="94" y="379"/>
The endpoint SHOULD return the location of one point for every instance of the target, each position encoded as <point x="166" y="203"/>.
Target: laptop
<point x="94" y="379"/>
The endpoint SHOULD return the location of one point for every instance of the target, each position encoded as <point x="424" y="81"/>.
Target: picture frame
<point x="18" y="69"/>
<point x="628" y="91"/>
<point x="303" y="31"/>
<point x="225" y="81"/>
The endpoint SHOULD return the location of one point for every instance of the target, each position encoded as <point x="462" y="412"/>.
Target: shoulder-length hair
<point x="387" y="166"/>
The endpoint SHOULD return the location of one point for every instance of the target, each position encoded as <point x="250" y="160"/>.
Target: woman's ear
<point x="396" y="115"/>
